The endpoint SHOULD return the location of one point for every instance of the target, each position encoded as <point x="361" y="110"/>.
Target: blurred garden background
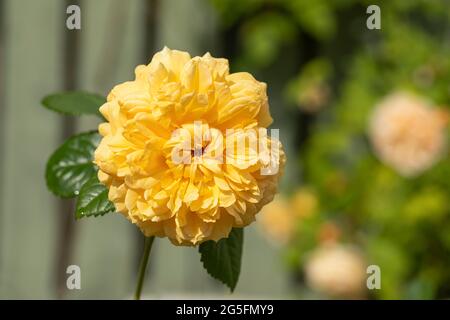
<point x="363" y="115"/>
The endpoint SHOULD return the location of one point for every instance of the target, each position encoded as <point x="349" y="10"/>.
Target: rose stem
<point x="147" y="248"/>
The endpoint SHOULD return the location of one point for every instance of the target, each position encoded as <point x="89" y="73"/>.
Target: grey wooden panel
<point x="32" y="69"/>
<point x="188" y="25"/>
<point x="110" y="44"/>
<point x="263" y="274"/>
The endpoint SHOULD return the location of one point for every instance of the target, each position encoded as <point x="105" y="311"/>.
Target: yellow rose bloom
<point x="408" y="133"/>
<point x="278" y="222"/>
<point x="176" y="103"/>
<point x="304" y="203"/>
<point x="337" y="270"/>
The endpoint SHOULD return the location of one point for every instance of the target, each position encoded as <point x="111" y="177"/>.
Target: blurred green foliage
<point x="343" y="70"/>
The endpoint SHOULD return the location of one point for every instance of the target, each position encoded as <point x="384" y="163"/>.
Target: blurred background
<point x="363" y="115"/>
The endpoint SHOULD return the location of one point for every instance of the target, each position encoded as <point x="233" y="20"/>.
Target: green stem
<point x="143" y="266"/>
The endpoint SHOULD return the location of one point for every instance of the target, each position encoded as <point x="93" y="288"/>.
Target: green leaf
<point x="75" y="103"/>
<point x="222" y="259"/>
<point x="93" y="199"/>
<point x="71" y="166"/>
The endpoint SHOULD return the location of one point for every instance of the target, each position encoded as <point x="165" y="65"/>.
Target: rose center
<point x="198" y="152"/>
